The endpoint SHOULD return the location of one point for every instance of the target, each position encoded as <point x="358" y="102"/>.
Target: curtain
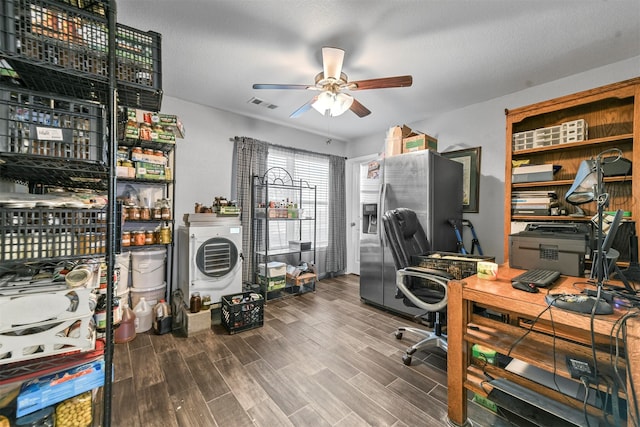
<point x="336" y="258"/>
<point x="250" y="160"/>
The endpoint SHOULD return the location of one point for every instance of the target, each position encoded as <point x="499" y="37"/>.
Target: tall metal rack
<point x="67" y="49"/>
<point x="291" y="206"/>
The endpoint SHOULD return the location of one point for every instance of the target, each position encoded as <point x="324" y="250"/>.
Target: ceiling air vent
<point x="262" y="103"/>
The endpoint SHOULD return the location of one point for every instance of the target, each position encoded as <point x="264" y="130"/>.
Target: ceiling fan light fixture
<point x="332" y="104"/>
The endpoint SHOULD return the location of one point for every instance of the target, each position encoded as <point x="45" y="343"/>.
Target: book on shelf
<point x="534" y="212"/>
<point x="533" y="193"/>
<point x="533" y="200"/>
<point x="546" y="167"/>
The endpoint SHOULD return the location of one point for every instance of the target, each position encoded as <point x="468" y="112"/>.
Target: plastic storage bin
<point x="45" y="125"/>
<point x="72" y="44"/>
<point x="242" y="311"/>
<point x="35" y="233"/>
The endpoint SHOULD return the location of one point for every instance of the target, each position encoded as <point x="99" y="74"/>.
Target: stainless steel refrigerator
<point x="422" y="181"/>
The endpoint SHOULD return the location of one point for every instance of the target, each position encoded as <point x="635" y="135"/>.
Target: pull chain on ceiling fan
<point x="331" y="82"/>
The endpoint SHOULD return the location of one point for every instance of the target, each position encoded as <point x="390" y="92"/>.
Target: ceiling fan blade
<point x="304" y="108"/>
<point x="278" y="86"/>
<point x="386" y="82"/>
<point x="359" y="109"/>
<point x="332" y="59"/>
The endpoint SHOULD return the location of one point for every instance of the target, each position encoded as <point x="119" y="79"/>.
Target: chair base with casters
<point x="428" y="338"/>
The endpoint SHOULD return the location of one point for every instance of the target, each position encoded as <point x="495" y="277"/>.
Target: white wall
<point x="483" y="125"/>
<point x="204" y="157"/>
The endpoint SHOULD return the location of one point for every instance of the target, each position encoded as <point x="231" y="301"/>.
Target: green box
<point x="272" y="283"/>
<point x="146" y="170"/>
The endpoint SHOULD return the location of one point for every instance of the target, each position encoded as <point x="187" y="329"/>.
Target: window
<point x="314" y="169"/>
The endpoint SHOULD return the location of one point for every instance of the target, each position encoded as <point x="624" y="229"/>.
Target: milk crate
<point x="31" y="234"/>
<point x="38" y="322"/>
<point x="71" y="42"/>
<point x="242" y="311"/>
<point x="457" y="265"/>
<point x="547" y="136"/>
<point x="574" y="131"/>
<point x="43" y="125"/>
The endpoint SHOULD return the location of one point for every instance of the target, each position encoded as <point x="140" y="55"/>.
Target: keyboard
<point x="540" y="278"/>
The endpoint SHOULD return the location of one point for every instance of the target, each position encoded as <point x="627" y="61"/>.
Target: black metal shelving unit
<point x="55" y="52"/>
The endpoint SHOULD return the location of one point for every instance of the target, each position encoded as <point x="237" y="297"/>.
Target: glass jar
<point x="145" y="214"/>
<point x="156" y="213"/>
<point x="149" y="237"/>
<point x="134" y="213"/>
<point x="165" y="235"/>
<point x="165" y="207"/>
<point x="138" y="238"/>
<point x="195" y="302"/>
<point x="126" y="238"/>
<point x="206" y="302"/>
<point x="136" y="150"/>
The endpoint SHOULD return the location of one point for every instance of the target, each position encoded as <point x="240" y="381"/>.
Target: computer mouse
<point x="527" y="287"/>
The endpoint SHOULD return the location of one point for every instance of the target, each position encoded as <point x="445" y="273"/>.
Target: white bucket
<point x="151" y="295"/>
<point x="144" y="316"/>
<point x="148" y="268"/>
<point x="123" y="261"/>
<point x="124" y="296"/>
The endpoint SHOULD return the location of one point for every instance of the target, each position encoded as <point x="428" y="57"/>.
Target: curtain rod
<point x="291" y="148"/>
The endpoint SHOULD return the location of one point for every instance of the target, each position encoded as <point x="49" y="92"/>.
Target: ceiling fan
<point x="331" y="82"/>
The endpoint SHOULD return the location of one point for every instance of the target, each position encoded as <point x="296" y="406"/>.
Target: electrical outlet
<point x="579" y="368"/>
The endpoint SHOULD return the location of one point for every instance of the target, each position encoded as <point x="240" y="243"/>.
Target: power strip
<point x="580" y="368"/>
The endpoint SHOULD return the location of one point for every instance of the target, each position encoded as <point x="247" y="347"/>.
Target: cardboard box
<point x="301" y="279"/>
<point x="419" y="142"/>
<point x="125" y="172"/>
<point x="299" y="245"/>
<point x="146" y="170"/>
<point x="50" y="389"/>
<point x="272" y="283"/>
<point x="393" y="141"/>
<point x="149" y="158"/>
<point x="273" y="269"/>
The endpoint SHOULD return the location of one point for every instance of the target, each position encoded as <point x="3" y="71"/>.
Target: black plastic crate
<point x="242" y="311"/>
<point x="31" y="234"/>
<point x="43" y="125"/>
<point x="62" y="48"/>
<point x="458" y="265"/>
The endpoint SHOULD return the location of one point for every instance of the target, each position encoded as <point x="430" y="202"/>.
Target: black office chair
<point x="406" y="237"/>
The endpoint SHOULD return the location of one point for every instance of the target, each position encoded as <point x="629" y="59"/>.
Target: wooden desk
<point x="566" y="332"/>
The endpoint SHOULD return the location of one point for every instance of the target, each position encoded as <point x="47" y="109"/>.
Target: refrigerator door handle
<point x="381" y="211"/>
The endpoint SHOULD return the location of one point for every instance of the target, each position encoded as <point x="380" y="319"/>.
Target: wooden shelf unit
<point x="532" y="333"/>
<point x="612" y="115"/>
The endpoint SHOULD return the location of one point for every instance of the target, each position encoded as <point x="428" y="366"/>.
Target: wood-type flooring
<point x="321" y="359"/>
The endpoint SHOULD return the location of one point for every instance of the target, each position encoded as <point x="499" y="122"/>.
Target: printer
<point x="551" y="246"/>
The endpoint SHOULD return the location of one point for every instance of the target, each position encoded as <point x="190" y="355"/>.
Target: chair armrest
<point x="423" y="274"/>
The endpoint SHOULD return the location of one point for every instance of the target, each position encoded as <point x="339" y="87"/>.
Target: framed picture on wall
<point x="470" y="159"/>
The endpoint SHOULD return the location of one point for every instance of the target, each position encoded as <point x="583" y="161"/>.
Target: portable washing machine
<point x="210" y="256"/>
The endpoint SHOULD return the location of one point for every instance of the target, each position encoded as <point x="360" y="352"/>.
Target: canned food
<point x="149" y="237"/>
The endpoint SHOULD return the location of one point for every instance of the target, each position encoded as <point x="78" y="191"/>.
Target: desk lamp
<point x="587" y="187"/>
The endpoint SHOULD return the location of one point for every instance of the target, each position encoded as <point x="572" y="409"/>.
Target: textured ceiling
<point x="459" y="52"/>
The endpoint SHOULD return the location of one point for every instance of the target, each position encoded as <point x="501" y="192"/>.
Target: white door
<point x="354" y="211"/>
